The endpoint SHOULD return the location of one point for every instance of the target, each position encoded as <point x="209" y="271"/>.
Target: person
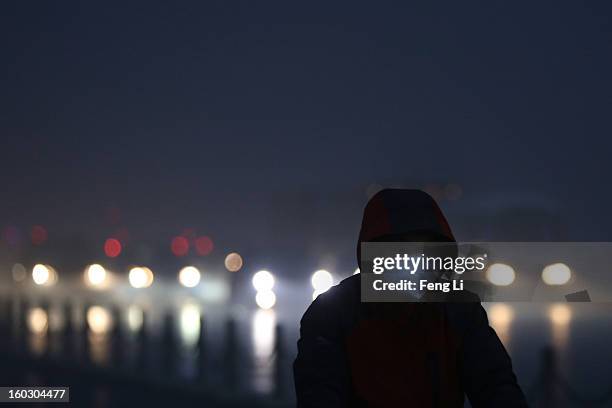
<point x="412" y="354"/>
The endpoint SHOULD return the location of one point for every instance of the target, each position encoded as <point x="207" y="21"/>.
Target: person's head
<point x="398" y="215"/>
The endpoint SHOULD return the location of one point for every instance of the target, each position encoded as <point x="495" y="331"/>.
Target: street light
<point x="500" y="274"/>
<point x="189" y="276"/>
<point x="95" y="275"/>
<point x="140" y="277"/>
<point x="322" y="280"/>
<point x="43" y="275"/>
<point x="263" y="280"/>
<point x="265" y="299"/>
<point x="556" y="274"/>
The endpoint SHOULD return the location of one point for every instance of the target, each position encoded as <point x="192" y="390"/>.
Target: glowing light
<point x="204" y="245"/>
<point x="233" y="262"/>
<point x="265" y="299"/>
<point x="19" y="272"/>
<point x="38" y="235"/>
<point x="189" y="276"/>
<point x="316" y="293"/>
<point x="322" y="280"/>
<point x="264" y="338"/>
<point x="38" y="321"/>
<point x="179" y="246"/>
<point x="556" y="274"/>
<point x="501" y="316"/>
<point x="99" y="320"/>
<point x="112" y="247"/>
<point x="40" y="274"/>
<point x="190" y="324"/>
<point x="95" y="275"/>
<point x="134" y="318"/>
<point x="263" y="280"/>
<point x="43" y="275"/>
<point x="140" y="277"/>
<point x="560" y="314"/>
<point x="357" y="271"/>
<point x="500" y="274"/>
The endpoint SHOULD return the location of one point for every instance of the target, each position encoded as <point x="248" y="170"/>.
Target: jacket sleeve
<point x="487" y="370"/>
<point x="320" y="369"/>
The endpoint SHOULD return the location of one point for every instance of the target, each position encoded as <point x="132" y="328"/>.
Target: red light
<point x="112" y="247"/>
<point x="179" y="246"/>
<point x="204" y="245"/>
<point x="38" y="234"/>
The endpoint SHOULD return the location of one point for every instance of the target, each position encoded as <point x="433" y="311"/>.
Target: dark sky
<point x="247" y="115"/>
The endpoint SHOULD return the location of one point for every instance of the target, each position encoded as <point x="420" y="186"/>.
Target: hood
<point x="400" y="212"/>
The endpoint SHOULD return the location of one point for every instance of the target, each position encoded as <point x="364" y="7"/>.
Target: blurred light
<point x="134" y="318"/>
<point x="56" y="318"/>
<point x="37" y="320"/>
<point x="264" y="340"/>
<point x="357" y="271"/>
<point x="99" y="320"/>
<point x="317" y="293"/>
<point x="263" y="280"/>
<point x="233" y="262"/>
<point x="264" y="326"/>
<point x="40" y="274"/>
<point x="322" y="280"/>
<point x="500" y="315"/>
<point x="214" y="289"/>
<point x="19" y="272"/>
<point x="189" y="276"/>
<point x="204" y="245"/>
<point x="95" y="275"/>
<point x="560" y="314"/>
<point x="500" y="274"/>
<point x="38" y="234"/>
<point x="179" y="246"/>
<point x="265" y="299"/>
<point x="140" y="277"/>
<point x="112" y="247"/>
<point x="43" y="275"/>
<point x="556" y="274"/>
<point x="190" y="324"/>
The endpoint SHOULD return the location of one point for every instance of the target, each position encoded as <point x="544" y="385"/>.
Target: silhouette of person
<point x="409" y="354"/>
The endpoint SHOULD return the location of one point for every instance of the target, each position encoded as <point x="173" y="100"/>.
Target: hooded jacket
<point x="425" y="355"/>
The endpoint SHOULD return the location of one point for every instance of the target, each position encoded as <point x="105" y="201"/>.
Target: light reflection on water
<point x="190" y="324"/>
<point x="100" y="322"/>
<point x="134" y="318"/>
<point x="560" y="316"/>
<point x="500" y="318"/>
<point x="38" y="324"/>
<point x="263" y="337"/>
<point x="577" y="332"/>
